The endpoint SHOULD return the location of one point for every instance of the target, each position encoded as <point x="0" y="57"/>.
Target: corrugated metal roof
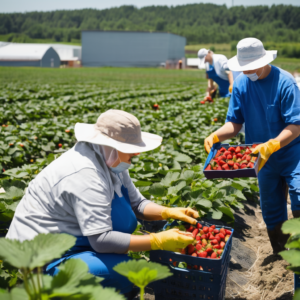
<point x="14" y="51"/>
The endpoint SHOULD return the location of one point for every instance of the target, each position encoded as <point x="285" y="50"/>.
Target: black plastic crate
<point x="207" y="284"/>
<point x="230" y="173"/>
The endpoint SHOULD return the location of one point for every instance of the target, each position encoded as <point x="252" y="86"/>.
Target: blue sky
<point x="7" y="6"/>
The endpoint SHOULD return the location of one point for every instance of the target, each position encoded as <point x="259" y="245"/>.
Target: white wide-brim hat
<point x="201" y="54"/>
<point x="119" y="130"/>
<point x="251" y="55"/>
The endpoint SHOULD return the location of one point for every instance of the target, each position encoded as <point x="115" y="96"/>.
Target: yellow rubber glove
<point x="170" y="240"/>
<point x="180" y="213"/>
<point x="209" y="141"/>
<point x="266" y="149"/>
<point x="230" y="88"/>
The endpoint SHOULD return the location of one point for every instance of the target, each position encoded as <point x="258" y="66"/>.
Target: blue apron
<point x="223" y="84"/>
<point x="101" y="264"/>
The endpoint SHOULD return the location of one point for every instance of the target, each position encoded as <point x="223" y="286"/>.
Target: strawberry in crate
<point x="233" y="158"/>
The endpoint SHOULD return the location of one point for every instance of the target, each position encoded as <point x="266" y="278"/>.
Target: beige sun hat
<point x="251" y="55"/>
<point x="119" y="130"/>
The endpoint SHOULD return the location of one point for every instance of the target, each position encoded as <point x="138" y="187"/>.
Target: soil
<point x="254" y="272"/>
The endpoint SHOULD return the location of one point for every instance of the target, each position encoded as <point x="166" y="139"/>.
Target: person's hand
<point x="266" y="149"/>
<point x="230" y="88"/>
<point x="170" y="240"/>
<point x="180" y="213"/>
<point x="208" y="98"/>
<point x="209" y="141"/>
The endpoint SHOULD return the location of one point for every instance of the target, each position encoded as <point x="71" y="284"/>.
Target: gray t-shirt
<point x="72" y="195"/>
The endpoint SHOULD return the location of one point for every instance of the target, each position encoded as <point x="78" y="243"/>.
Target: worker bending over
<point x="87" y="192"/>
<point x="216" y="71"/>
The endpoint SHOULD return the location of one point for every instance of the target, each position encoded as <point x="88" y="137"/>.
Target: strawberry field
<point x="37" y="125"/>
<point x="39" y="109"/>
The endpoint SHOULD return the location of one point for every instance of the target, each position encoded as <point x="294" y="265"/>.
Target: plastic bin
<point x="230" y="173"/>
<point x="195" y="284"/>
<point x="152" y="226"/>
<point x="296" y="282"/>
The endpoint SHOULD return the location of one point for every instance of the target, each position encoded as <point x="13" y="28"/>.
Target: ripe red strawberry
<point x="221" y="235"/>
<point x="198" y="247"/>
<point x="191" y="248"/>
<point x="222" y="149"/>
<point x="199" y="225"/>
<point x="191" y="228"/>
<point x="209" y="250"/>
<point x="214" y="242"/>
<point x="213" y="255"/>
<point x="216" y="231"/>
<point x="205" y="229"/>
<point x="211" y="237"/>
<point x="194" y="254"/>
<point x="218" y="154"/>
<point x="202" y="102"/>
<point x="243" y="166"/>
<point x="236" y="166"/>
<point x="183" y="251"/>
<point x="195" y="232"/>
<point x="210" y="229"/>
<point x="219" y="168"/>
<point x="248" y="151"/>
<point x="216" y="247"/>
<point x="21" y="145"/>
<point x="222" y="230"/>
<point x="208" y="168"/>
<point x="227" y="153"/>
<point x="248" y="157"/>
<point x="222" y="162"/>
<point x="222" y="245"/>
<point x="239" y="155"/>
<point x="218" y="238"/>
<point x="225" y="167"/>
<point x="219" y="252"/>
<point x="203" y="236"/>
<point x="202" y="254"/>
<point x="237" y="149"/>
<point x="175" y="263"/>
<point x="228" y="232"/>
<point x="254" y="158"/>
<point x="204" y="242"/>
<point x="230" y="163"/>
<point x="198" y="238"/>
<point x="59" y="145"/>
<point x="213" y="226"/>
<point x="250" y="165"/>
<point x="229" y="157"/>
<point x="189" y="267"/>
<point x="231" y="149"/>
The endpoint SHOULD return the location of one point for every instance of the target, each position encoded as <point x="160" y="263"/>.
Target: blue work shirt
<point x="266" y="106"/>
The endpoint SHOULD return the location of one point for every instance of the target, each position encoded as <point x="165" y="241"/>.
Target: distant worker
<point x="216" y="71"/>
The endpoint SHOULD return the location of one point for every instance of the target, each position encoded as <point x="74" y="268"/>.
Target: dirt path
<point x="254" y="273"/>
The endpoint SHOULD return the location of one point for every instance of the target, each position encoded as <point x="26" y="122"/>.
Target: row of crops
<point x="38" y="125"/>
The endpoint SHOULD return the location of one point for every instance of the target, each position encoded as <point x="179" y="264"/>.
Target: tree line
<point x="199" y="23"/>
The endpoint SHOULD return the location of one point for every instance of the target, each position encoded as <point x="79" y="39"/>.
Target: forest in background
<point x="199" y="23"/>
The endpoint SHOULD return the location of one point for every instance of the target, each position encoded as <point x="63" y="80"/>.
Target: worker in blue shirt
<point x="267" y="99"/>
<point x="216" y="71"/>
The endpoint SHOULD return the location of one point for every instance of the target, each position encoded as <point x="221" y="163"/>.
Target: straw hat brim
<point x="88" y="133"/>
<point x="247" y="65"/>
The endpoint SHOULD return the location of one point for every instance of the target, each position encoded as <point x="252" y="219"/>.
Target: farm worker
<point x="216" y="70"/>
<point x="87" y="192"/>
<point x="267" y="99"/>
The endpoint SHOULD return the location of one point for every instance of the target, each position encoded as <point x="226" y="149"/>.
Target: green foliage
<point x="292" y="256"/>
<point x="72" y="282"/>
<point x="205" y="23"/>
<point x="141" y="272"/>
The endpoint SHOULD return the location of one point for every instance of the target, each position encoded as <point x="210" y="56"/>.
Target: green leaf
<point x="182" y="158"/>
<point x="12" y="193"/>
<point x="157" y="190"/>
<point x="173" y="190"/>
<point x="205" y="203"/>
<point x="226" y="211"/>
<point x="187" y="175"/>
<point x="297" y="295"/>
<point x="292" y="257"/>
<point x="207" y="184"/>
<point x="15" y="294"/>
<point x="254" y="188"/>
<point x="215" y="214"/>
<point x="176" y="165"/>
<point x="224" y="184"/>
<point x="141" y="272"/>
<point x="140" y="183"/>
<point x="37" y="252"/>
<point x="239" y="194"/>
<point x="291" y="226"/>
<point x="170" y="177"/>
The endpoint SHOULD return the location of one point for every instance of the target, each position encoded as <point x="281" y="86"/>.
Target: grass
<point x="98" y="75"/>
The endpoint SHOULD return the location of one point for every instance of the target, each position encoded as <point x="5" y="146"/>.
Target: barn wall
<point x="127" y="49"/>
<point x="35" y="63"/>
